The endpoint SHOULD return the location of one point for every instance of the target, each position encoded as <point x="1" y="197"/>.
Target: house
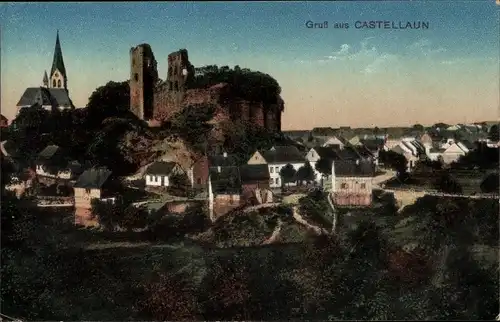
<point x="453" y="152"/>
<point x="409" y="153"/>
<point x="276" y="159"/>
<point x="4" y="122"/>
<point x="50" y="161"/>
<point x="373" y="145"/>
<point x="46" y="98"/>
<point x="355" y="141"/>
<point x="159" y="173"/>
<point x="454" y="127"/>
<point x="317" y="153"/>
<point x="426" y="140"/>
<point x="255" y="180"/>
<point x="94" y="183"/>
<point x="224" y="191"/>
<point x="351" y="182"/>
<point x="339" y="142"/>
<point x="223" y="160"/>
<point x="197" y="172"/>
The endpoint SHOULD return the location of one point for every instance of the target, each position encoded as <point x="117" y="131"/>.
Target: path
<point x="264" y="205"/>
<point x="275" y="233"/>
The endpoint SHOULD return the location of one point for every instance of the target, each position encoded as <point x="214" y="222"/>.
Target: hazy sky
<point x="330" y="77"/>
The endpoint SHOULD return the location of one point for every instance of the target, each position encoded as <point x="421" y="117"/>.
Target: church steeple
<point x="45" y="79"/>
<point x="58" y="75"/>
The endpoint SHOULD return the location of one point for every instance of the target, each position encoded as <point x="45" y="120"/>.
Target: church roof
<point x="45" y="96"/>
<point x="58" y="62"/>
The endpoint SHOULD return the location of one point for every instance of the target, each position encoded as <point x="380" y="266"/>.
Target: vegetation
<point x="287" y="174"/>
<point x="395" y="161"/>
<point x="324" y="166"/>
<point x="245" y="83"/>
<point x="305" y="173"/>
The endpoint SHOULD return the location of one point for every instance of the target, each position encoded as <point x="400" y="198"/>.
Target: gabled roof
<point x="346" y="168"/>
<point x="326" y="152"/>
<point x="349" y="152"/>
<point x="222" y="161"/>
<point x="45" y="97"/>
<point x="227" y="181"/>
<point x="161" y="168"/>
<point x="93" y="178"/>
<point x="254" y="172"/>
<point x="373" y="143"/>
<point x="283" y="154"/>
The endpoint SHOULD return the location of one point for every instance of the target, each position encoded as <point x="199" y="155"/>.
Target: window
<point x="87" y="191"/>
<point x="170" y="71"/>
<point x="175" y="70"/>
<point x="343" y="186"/>
<point x="176" y="85"/>
<point x="271" y="181"/>
<point x="198" y="180"/>
<point x="136" y="77"/>
<point x="277" y="169"/>
<point x="170" y="85"/>
<point x="271" y="169"/>
<point x="363" y="186"/>
<point x="53" y="83"/>
<point x="278" y="181"/>
<point x="58" y="83"/>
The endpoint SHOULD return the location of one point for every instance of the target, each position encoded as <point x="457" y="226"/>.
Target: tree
<point x="324" y="166"/>
<point x="493" y="134"/>
<point x="111" y="99"/>
<point x="490" y="184"/>
<point x="305" y="173"/>
<point x="395" y="161"/>
<point x="418" y="127"/>
<point x="445" y="183"/>
<point x="287" y="174"/>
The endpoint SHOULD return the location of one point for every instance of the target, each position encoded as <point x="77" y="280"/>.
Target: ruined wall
<point x="143" y="77"/>
<point x="151" y="100"/>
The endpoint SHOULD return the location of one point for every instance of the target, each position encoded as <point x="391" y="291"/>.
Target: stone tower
<point x="143" y="78"/>
<point x="58" y="76"/>
<point x="180" y="72"/>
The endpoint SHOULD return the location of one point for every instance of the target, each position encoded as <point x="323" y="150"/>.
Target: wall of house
<point x="274" y="173"/>
<point x="353" y="191"/>
<point x="157" y="181"/>
<point x="225" y="203"/>
<point x="84" y="217"/>
<point x="83" y="197"/>
<point x="450" y="157"/>
<point x="248" y="189"/>
<point x="200" y="173"/>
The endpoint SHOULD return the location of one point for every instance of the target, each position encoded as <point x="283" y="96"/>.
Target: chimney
<point x="224" y="154"/>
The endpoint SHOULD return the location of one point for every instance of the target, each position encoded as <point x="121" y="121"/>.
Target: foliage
<point x="490" y="184"/>
<point x="113" y="215"/>
<point x="447" y="184"/>
<point x="482" y="157"/>
<point x="192" y="125"/>
<point x="109" y="100"/>
<point x="245" y="83"/>
<point x="287" y="174"/>
<point x="324" y="166"/>
<point x="395" y="161"/>
<point x="418" y="127"/>
<point x="494" y="133"/>
<point x="315" y="209"/>
<point x="305" y="173"/>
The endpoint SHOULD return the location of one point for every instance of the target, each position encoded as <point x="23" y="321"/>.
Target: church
<point x="53" y="94"/>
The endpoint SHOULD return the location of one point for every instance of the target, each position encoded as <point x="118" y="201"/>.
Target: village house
<point x="317" y="153"/>
<point x="94" y="183"/>
<point x="374" y="146"/>
<point x="255" y="186"/>
<point x="276" y="158"/>
<point x="218" y="161"/>
<point x="335" y="141"/>
<point x="412" y="150"/>
<point x="224" y="191"/>
<point x="159" y="173"/>
<point x="351" y="182"/>
<point x="453" y="152"/>
<point x="197" y="172"/>
<point x="50" y="161"/>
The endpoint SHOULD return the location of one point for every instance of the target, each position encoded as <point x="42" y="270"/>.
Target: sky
<point x="334" y="77"/>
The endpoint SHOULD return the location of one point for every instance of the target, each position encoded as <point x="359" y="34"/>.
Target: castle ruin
<point x="157" y="101"/>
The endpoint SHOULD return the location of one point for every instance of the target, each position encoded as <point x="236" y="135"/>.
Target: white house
<point x="277" y="158"/>
<point x="159" y="173"/>
<point x="453" y="153"/>
<point x="317" y="153"/>
<point x="334" y="141"/>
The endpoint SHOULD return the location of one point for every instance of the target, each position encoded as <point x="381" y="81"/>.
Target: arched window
<point x="176" y="86"/>
<point x="53" y="83"/>
<point x="59" y="83"/>
<point x="136" y="77"/>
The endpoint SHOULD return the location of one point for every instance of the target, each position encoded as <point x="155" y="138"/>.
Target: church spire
<point x="45" y="79"/>
<point x="58" y="62"/>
